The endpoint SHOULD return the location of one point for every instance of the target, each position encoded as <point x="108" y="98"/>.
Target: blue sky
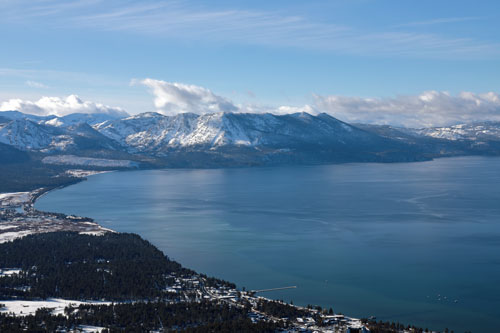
<point x="258" y="55"/>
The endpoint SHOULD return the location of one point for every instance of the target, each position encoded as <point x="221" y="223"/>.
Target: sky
<point x="402" y="62"/>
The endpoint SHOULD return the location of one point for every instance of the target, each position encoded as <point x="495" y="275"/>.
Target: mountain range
<point x="237" y="139"/>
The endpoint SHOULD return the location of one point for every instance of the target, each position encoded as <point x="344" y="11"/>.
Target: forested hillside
<point x="74" y="266"/>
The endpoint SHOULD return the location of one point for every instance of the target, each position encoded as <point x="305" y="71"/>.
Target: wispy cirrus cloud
<point x="28" y="9"/>
<point x="33" y="77"/>
<point x="274" y="29"/>
<point x="35" y="84"/>
<point x="442" y="20"/>
<point x="186" y="21"/>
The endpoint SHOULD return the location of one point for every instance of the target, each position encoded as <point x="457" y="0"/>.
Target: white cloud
<point x="431" y="108"/>
<point x="172" y="98"/>
<point x="58" y="106"/>
<point x="35" y="84"/>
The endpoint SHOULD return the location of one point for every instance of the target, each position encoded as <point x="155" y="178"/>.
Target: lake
<point x="417" y="243"/>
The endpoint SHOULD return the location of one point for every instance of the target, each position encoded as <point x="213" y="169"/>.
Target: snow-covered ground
<point x="24" y="308"/>
<point x="7" y="226"/>
<point x="83" y="173"/>
<point x="9" y="271"/>
<point x="88" y="161"/>
<point x="10" y="236"/>
<point x="99" y="232"/>
<point x="90" y="329"/>
<point x="23" y="226"/>
<point x="14" y="199"/>
<point x="17" y="224"/>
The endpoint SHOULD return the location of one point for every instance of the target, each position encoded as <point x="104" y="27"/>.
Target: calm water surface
<point x="365" y="239"/>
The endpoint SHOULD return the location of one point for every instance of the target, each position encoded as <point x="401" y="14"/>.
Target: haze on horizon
<point x="412" y="63"/>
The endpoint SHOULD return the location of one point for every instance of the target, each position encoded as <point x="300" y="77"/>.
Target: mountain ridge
<point x="226" y="139"/>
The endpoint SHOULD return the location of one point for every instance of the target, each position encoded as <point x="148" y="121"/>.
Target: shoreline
<point x="17" y="224"/>
<point x="214" y="294"/>
<point x="70" y="220"/>
<point x="40" y="192"/>
<point x="78" y="179"/>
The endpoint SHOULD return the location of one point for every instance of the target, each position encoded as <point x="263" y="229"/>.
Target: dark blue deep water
<point x="365" y="239"/>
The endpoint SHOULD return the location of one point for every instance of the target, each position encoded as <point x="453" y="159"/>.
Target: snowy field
<point x="10" y="236"/>
<point x="20" y="227"/>
<point x="14" y="199"/>
<point x="9" y="271"/>
<point x="83" y="173"/>
<point x="7" y="227"/>
<point x="25" y="308"/>
<point x="88" y="161"/>
<point x="90" y="329"/>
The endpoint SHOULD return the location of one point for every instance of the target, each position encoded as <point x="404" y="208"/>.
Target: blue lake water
<point x="366" y="239"/>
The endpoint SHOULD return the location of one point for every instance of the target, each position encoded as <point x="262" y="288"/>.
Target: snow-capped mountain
<point x="16" y="115"/>
<point x="36" y="134"/>
<point x="26" y="135"/>
<point x="63" y="121"/>
<point x="153" y="132"/>
<point x="485" y="131"/>
<point x="228" y="139"/>
<point x="465" y="139"/>
<point x="252" y="138"/>
<point x="475" y="132"/>
<point x="81" y="118"/>
<point x="147" y="131"/>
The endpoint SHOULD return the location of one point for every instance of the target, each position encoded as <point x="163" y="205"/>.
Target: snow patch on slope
<point x="88" y="161"/>
<point x="473" y="132"/>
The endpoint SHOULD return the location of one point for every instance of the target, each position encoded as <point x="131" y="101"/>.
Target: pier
<point x="273" y="289"/>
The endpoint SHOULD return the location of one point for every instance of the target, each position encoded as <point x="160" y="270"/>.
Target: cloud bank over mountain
<point x="431" y="108"/>
<point x="171" y="98"/>
<point x="59" y="106"/>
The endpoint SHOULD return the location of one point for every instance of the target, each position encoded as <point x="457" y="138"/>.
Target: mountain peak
<point x="149" y="114"/>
